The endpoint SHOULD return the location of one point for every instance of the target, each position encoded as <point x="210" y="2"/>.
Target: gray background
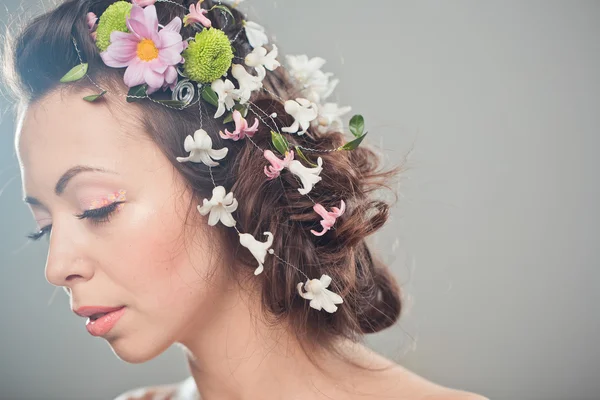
<point x="495" y="238"/>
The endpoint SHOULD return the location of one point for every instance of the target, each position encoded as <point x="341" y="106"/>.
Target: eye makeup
<point x="114" y="197"/>
<point x="98" y="212"/>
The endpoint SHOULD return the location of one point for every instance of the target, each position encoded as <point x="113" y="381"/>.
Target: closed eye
<point x="97" y="216"/>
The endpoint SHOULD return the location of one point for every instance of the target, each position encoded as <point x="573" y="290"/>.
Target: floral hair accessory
<point x="329" y="217"/>
<point x="303" y="111"/>
<point x="318" y="294"/>
<point x="200" y="148"/>
<point x="258" y="249"/>
<point x="150" y="55"/>
<point x="91" y="21"/>
<point x="203" y="70"/>
<point x="241" y="128"/>
<point x="197" y="15"/>
<point x="220" y="207"/>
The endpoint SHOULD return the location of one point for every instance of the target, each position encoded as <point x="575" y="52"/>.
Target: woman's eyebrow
<point x="64" y="180"/>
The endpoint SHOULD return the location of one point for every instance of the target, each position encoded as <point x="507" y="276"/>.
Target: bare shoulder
<point x="455" y="395"/>
<point x="163" y="392"/>
<point x="184" y="390"/>
<point x="452" y="394"/>
<point x="400" y="383"/>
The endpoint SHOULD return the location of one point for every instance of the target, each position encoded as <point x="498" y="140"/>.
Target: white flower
<point x="315" y="83"/>
<point x="303" y="112"/>
<point x="329" y="117"/>
<point x="258" y="249"/>
<point x="200" y="148"/>
<point x="247" y="82"/>
<point x="220" y="207"/>
<point x="226" y="92"/>
<point x="308" y="176"/>
<point x="256" y="34"/>
<point x="259" y="59"/>
<point x="320" y="297"/>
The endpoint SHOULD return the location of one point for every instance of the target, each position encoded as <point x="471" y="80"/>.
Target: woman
<point x="219" y="204"/>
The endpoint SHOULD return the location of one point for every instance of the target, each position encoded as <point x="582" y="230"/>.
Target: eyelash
<point x="97" y="216"/>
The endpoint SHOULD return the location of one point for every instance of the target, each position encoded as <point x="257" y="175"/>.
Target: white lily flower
<point x="256" y="34"/>
<point x="200" y="148"/>
<point x="259" y="59"/>
<point x="330" y="117"/>
<point x="226" y="92"/>
<point x="220" y="207"/>
<point x="308" y="176"/>
<point x="303" y="111"/>
<point x="320" y="297"/>
<point x="247" y="82"/>
<point x="307" y="72"/>
<point x="258" y="249"/>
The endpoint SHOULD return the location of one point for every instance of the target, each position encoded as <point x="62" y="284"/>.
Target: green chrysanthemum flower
<point x="112" y="19"/>
<point x="208" y="56"/>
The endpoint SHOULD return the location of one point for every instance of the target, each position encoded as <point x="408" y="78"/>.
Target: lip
<point x="105" y="323"/>
<point x="88" y="311"/>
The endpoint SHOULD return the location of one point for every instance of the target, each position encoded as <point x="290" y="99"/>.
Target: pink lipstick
<point x="100" y="319"/>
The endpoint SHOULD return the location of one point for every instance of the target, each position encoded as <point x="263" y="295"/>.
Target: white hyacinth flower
<point x="330" y="117"/>
<point x="258" y="249"/>
<point x="226" y="92"/>
<point x="220" y="207"/>
<point x="200" y="148"/>
<point x="256" y="34"/>
<point x="303" y="111"/>
<point x="308" y="176"/>
<point x="307" y="72"/>
<point x="260" y="59"/>
<point x="320" y="297"/>
<point x="248" y="82"/>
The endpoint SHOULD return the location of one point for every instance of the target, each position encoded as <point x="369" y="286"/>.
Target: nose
<point x="68" y="260"/>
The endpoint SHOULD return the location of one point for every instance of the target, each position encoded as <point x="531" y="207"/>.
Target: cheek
<point x="162" y="272"/>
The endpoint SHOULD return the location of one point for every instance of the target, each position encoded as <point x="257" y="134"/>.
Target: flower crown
<point x="128" y="36"/>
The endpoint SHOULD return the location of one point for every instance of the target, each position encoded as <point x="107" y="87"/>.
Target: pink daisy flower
<point x="150" y="55"/>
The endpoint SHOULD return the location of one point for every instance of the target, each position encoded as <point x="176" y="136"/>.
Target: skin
<point x="170" y="281"/>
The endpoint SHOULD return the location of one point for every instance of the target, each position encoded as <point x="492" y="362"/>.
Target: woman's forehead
<point x="63" y="125"/>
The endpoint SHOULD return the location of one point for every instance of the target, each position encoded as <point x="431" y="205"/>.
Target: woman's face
<point x="138" y="258"/>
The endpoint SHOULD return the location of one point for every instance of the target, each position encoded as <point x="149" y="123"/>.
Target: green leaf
<point x="280" y="142"/>
<point x="139" y="90"/>
<point x="75" y="73"/>
<point x="222" y="8"/>
<point x="242" y="108"/>
<point x="94" y="97"/>
<point x="302" y="156"/>
<point x="357" y="125"/>
<point x="210" y="96"/>
<point x="172" y="103"/>
<point x="228" y="118"/>
<point x="353" y="144"/>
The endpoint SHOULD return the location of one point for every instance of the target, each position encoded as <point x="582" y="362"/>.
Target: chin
<point x="136" y="351"/>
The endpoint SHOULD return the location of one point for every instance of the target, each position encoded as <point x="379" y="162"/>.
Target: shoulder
<point x="184" y="390"/>
<point x="451" y="394"/>
<point x="405" y="384"/>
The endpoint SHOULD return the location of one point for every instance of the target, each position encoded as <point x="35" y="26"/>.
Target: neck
<point x="235" y="355"/>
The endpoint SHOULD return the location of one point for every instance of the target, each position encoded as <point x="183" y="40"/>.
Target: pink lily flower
<point x="91" y="19"/>
<point x="277" y="165"/>
<point x="143" y="3"/>
<point x="197" y="15"/>
<point x="150" y="55"/>
<point x="241" y="128"/>
<point x="329" y="217"/>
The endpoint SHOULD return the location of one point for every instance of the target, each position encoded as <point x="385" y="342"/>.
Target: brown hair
<point x="42" y="53"/>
